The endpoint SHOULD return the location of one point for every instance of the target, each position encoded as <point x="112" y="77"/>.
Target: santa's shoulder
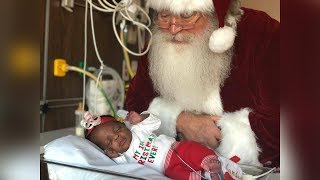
<point x="255" y="21"/>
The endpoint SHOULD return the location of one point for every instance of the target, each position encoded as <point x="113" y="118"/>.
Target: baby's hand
<point x="134" y="118"/>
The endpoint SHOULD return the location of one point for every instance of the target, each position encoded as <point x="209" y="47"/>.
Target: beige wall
<point x="271" y="7"/>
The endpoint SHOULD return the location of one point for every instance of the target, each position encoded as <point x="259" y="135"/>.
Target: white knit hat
<point x="221" y="39"/>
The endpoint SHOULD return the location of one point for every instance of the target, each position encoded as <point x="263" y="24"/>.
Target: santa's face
<point x="181" y="26"/>
<point x="183" y="68"/>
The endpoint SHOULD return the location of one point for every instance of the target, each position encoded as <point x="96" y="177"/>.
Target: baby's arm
<point x="145" y="121"/>
<point x="135" y="118"/>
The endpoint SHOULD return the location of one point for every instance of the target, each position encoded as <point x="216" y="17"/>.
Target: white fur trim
<point x="180" y="6"/>
<point x="167" y="112"/>
<point x="222" y="39"/>
<point x="232" y="21"/>
<point x="213" y="104"/>
<point x="237" y="137"/>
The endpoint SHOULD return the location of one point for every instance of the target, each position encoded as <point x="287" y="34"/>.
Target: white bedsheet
<point x="79" y="151"/>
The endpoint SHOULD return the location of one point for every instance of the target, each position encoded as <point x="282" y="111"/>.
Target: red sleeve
<point x="265" y="118"/>
<point x="254" y="80"/>
<point x="140" y="92"/>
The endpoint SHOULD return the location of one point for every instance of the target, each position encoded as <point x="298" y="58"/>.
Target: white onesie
<point x="146" y="148"/>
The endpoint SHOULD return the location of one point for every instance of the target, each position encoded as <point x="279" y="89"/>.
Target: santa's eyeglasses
<point x="165" y="19"/>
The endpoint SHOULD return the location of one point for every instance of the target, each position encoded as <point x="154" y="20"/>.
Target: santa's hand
<point x="199" y="128"/>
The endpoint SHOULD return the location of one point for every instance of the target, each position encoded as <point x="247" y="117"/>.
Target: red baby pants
<point x="193" y="154"/>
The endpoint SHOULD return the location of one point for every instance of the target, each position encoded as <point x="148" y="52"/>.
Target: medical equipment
<point x="112" y="85"/>
<point x="125" y="53"/>
<point x="67" y="4"/>
<point x="61" y="68"/>
<point x="125" y="11"/>
<point x="43" y="103"/>
<point x="78" y="117"/>
<point x="125" y="8"/>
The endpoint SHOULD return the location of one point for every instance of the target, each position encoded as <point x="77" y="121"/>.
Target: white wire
<point x="98" y="8"/>
<point x="136" y="23"/>
<point x="258" y="176"/>
<point x="115" y="2"/>
<point x="187" y="164"/>
<point x="268" y="172"/>
<point x="85" y="54"/>
<point x="106" y="6"/>
<point x="142" y="38"/>
<point x="95" y="92"/>
<point x="97" y="54"/>
<point x="139" y="39"/>
<point x="146" y="14"/>
<point x="94" y="36"/>
<point x="119" y="7"/>
<point x="109" y="4"/>
<point x="126" y="16"/>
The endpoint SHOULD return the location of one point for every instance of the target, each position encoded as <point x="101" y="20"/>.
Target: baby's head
<point x="112" y="136"/>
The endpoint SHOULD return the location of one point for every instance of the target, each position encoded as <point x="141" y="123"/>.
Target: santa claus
<point x="212" y="75"/>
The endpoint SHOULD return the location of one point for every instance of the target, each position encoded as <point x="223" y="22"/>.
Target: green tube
<point x="73" y="68"/>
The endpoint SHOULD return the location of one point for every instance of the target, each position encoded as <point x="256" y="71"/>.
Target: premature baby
<point x="177" y="160"/>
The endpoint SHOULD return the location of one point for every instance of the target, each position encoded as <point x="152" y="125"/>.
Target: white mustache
<point x="181" y="37"/>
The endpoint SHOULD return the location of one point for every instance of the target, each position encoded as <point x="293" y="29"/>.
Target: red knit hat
<point x="221" y="9"/>
<point x="221" y="39"/>
<point x="91" y="121"/>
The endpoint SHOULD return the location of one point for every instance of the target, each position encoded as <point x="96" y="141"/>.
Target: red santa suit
<point x="250" y="95"/>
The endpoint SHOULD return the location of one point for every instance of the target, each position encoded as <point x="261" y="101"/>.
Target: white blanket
<point x="81" y="152"/>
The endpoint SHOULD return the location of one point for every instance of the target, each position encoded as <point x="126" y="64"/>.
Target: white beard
<point x="188" y="74"/>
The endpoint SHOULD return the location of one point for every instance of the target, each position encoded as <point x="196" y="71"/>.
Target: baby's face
<point x="112" y="137"/>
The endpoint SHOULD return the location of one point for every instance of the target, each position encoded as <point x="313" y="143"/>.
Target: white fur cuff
<point x="167" y="112"/>
<point x="238" y="139"/>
